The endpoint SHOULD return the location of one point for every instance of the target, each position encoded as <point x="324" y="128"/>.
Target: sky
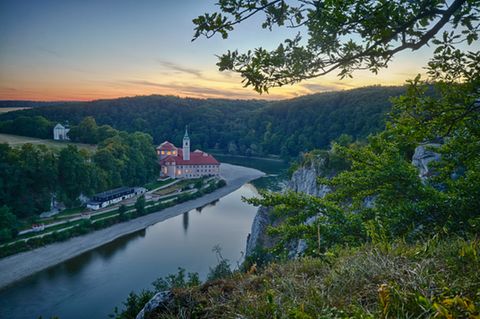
<point x="95" y="49"/>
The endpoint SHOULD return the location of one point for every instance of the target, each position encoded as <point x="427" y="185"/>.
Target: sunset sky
<point x="90" y="49"/>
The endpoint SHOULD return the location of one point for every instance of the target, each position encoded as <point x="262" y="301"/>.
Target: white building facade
<point x="60" y="132"/>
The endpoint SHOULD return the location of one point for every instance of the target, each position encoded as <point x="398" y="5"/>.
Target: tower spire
<point x="186" y="145"/>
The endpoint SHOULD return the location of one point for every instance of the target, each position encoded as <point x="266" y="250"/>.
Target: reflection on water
<point x="92" y="284"/>
<point x="185" y="221"/>
<point x="276" y="170"/>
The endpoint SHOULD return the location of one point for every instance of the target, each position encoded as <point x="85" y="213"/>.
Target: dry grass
<point x="17" y="140"/>
<point x="439" y="279"/>
<point x="11" y="109"/>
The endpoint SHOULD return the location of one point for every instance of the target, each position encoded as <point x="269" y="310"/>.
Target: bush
<point x="221" y="183"/>
<point x="178" y="280"/>
<point x="140" y="206"/>
<point x="133" y="305"/>
<point x="122" y="210"/>
<point x="437" y="278"/>
<point x="222" y="269"/>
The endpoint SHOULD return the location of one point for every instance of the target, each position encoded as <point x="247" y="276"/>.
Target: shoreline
<point x="19" y="266"/>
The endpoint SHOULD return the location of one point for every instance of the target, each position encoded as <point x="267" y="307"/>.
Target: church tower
<point x="186" y="145"/>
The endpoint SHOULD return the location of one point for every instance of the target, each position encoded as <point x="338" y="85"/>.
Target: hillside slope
<point x="438" y="278"/>
<point x="249" y="127"/>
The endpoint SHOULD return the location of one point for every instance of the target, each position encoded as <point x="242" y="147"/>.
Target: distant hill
<point x="8" y="103"/>
<point x="250" y="127"/>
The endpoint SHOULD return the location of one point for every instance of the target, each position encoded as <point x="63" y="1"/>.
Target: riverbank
<point x="22" y="265"/>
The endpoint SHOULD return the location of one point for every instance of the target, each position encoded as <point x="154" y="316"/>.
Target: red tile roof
<point x="167" y="146"/>
<point x="196" y="158"/>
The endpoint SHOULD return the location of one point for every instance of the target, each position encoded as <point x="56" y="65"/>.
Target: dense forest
<point x="248" y="127"/>
<point x="32" y="174"/>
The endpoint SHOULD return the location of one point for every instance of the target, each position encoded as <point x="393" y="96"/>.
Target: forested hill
<point x="13" y="103"/>
<point x="251" y="127"/>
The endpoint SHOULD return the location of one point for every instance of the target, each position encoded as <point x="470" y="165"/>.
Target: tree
<point x="122" y="213"/>
<point x="8" y="224"/>
<point x="140" y="205"/>
<point x="105" y="131"/>
<point x="74" y="175"/>
<point x="377" y="194"/>
<point x="339" y="35"/>
<point x="86" y="131"/>
<point x="244" y="124"/>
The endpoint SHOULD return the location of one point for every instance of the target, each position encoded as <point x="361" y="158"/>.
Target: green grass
<point x="157" y="184"/>
<point x="17" y="141"/>
<point x="107" y="214"/>
<point x="437" y="278"/>
<point x="47" y="230"/>
<point x="65" y="214"/>
<point x="168" y="190"/>
<point x="11" y="109"/>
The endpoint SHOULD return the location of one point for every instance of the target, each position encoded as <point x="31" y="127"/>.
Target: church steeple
<point x="186" y="145"/>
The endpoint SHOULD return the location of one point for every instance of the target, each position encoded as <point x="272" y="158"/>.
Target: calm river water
<point x="92" y="284"/>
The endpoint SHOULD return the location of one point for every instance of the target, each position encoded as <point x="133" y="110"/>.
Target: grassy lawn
<point x="47" y="230"/>
<point x="11" y="109"/>
<point x="17" y="140"/>
<point x="107" y="214"/>
<point x="158" y="184"/>
<point x="168" y="190"/>
<point x="65" y="214"/>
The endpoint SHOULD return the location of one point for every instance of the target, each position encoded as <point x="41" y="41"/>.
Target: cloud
<point x="344" y="84"/>
<point x="201" y="91"/>
<point x="143" y="82"/>
<point x="313" y="87"/>
<point x="180" y="68"/>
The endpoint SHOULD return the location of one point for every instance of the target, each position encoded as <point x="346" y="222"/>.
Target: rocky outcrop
<point x="257" y="235"/>
<point x="55" y="207"/>
<point x="304" y="180"/>
<point x="423" y="157"/>
<point x="299" y="246"/>
<point x="160" y="298"/>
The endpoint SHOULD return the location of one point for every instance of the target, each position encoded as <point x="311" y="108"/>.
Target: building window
<point x="163" y="152"/>
<point x="169" y="153"/>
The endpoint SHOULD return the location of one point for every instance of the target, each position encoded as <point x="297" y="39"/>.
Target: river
<point x="94" y="283"/>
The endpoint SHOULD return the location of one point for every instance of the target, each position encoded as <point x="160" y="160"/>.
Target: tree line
<point x="31" y="174"/>
<point x="245" y="127"/>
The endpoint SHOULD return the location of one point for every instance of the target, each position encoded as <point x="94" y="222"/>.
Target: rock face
<point x="157" y="300"/>
<point x="55" y="207"/>
<point x="422" y="158"/>
<point x="299" y="246"/>
<point x="258" y="232"/>
<point x="304" y="180"/>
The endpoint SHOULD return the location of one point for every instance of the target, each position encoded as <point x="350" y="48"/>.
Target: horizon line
<point x="192" y="97"/>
